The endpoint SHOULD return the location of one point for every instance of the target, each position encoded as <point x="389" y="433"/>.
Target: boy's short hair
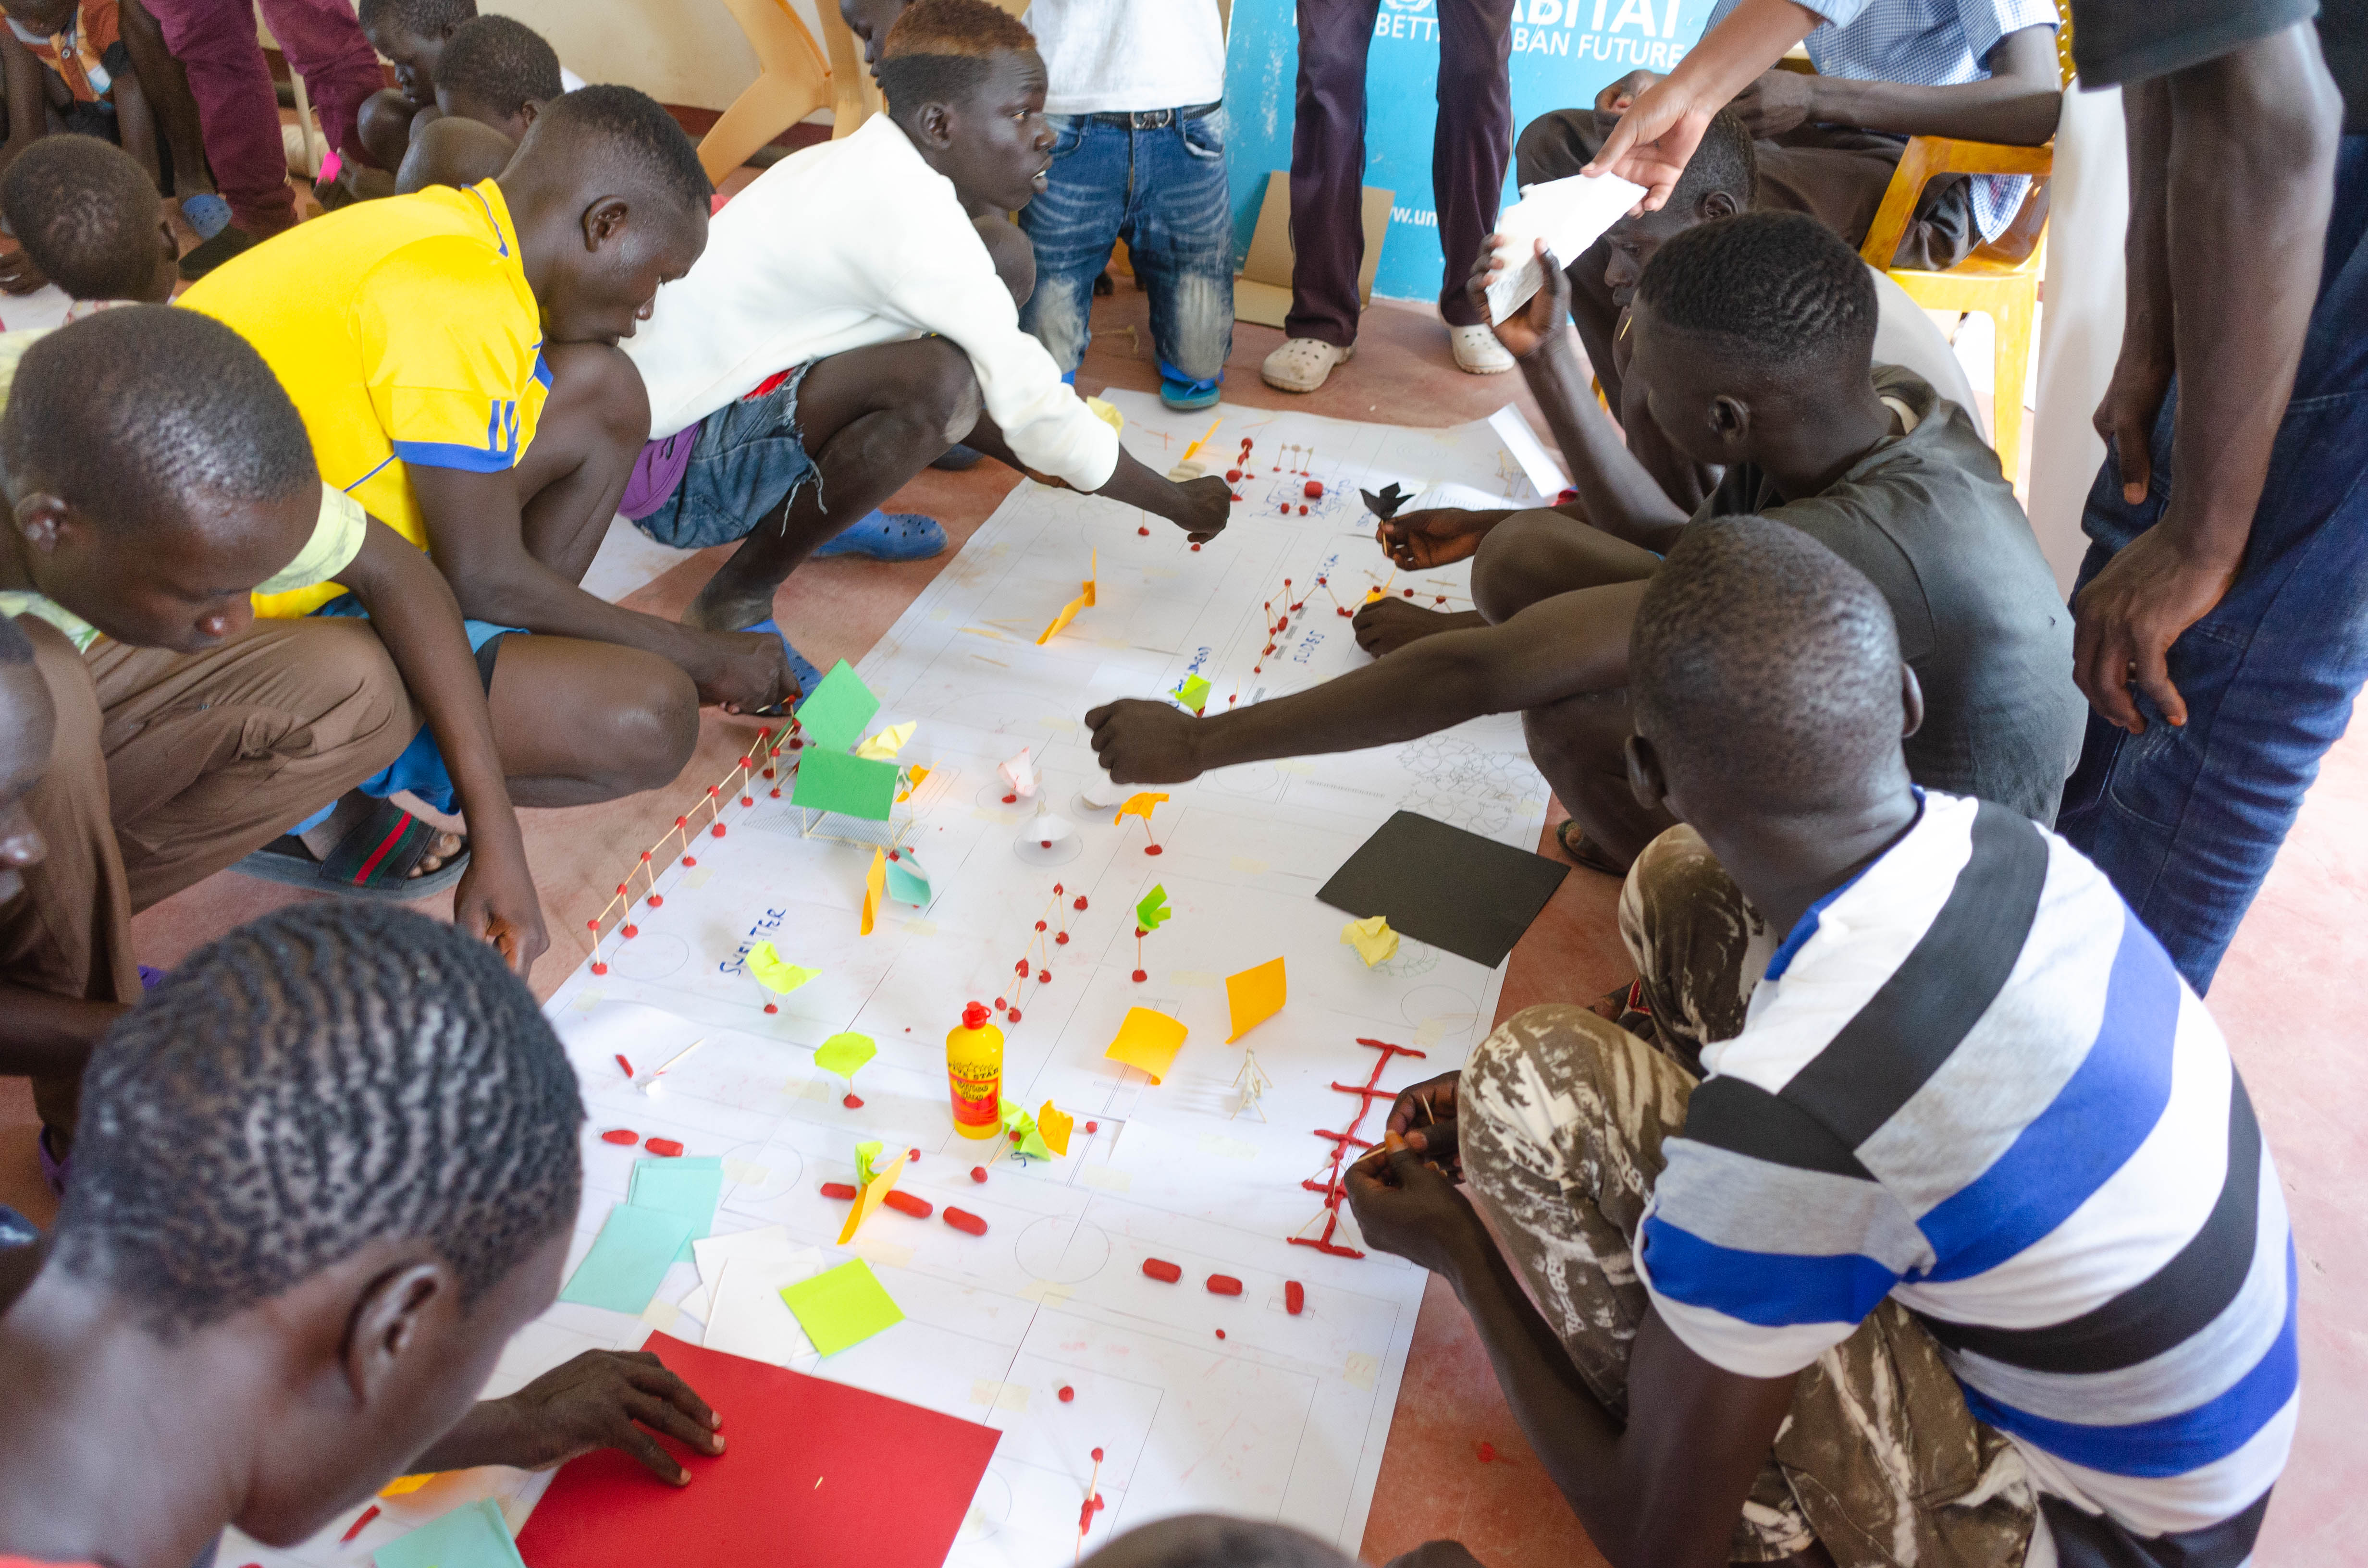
<point x="940" y="51"/>
<point x="85" y="212"/>
<point x="328" y="1076"/>
<point x="501" y="64"/>
<point x="145" y="413"/>
<point x="1774" y="290"/>
<point x="424" y="18"/>
<point x="1759" y="655"/>
<point x="1724" y="161"/>
<point x="636" y="130"/>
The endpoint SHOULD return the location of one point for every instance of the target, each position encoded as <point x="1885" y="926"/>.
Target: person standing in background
<point x="1136" y="101"/>
<point x="1469" y="150"/>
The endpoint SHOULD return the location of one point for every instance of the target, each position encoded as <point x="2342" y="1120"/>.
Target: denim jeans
<point x="2188" y="821"/>
<point x="1161" y="190"/>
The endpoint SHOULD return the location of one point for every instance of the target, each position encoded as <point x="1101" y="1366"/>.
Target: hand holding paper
<point x="1569" y="215"/>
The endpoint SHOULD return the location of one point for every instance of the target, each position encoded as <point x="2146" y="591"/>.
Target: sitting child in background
<point x="849" y="286"/>
<point x="1134" y="100"/>
<point x="413" y="35"/>
<point x="493" y="78"/>
<point x="332" y="1167"/>
<point x="87" y="219"/>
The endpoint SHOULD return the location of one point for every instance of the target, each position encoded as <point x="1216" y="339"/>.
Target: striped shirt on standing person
<point x="1974" y="1082"/>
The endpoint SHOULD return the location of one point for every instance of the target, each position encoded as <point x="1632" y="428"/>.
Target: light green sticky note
<point x="844" y="1054"/>
<point x="689" y="1188"/>
<point x="906" y="885"/>
<point x="851" y="786"/>
<point x="1193" y="694"/>
<point x="844" y="1306"/>
<point x="865" y="1153"/>
<point x="1153" y="911"/>
<point x="835" y="712"/>
<point x="629" y="1258"/>
<point x="470" y="1536"/>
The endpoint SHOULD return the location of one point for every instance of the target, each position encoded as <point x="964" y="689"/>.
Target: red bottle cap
<point x="974" y="1015"/>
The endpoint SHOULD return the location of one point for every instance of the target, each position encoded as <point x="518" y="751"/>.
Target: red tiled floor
<point x="2286" y="998"/>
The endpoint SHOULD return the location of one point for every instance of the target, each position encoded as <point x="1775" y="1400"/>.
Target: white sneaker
<point x="1478" y="352"/>
<point x="1304" y="364"/>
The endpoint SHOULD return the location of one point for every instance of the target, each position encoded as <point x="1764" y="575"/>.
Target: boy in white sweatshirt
<point x="847" y="325"/>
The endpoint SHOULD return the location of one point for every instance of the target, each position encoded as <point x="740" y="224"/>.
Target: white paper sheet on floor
<point x="1285" y="1418"/>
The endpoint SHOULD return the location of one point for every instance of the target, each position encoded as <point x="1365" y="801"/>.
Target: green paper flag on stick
<point x="865" y="1153"/>
<point x="851" y="786"/>
<point x="835" y="712"/>
<point x="770" y="970"/>
<point x="1025" y="1138"/>
<point x="1153" y="911"/>
<point x="1193" y="694"/>
<point x="844" y="1054"/>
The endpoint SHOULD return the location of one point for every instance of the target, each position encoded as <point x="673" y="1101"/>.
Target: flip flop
<point x="373" y="860"/>
<point x="889" y="536"/>
<point x="232" y="242"/>
<point x="208" y="214"/>
<point x="800" y="665"/>
<point x="1583" y="849"/>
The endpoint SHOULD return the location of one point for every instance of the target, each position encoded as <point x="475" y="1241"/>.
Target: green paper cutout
<point x="851" y="786"/>
<point x="906" y="886"/>
<point x="628" y="1259"/>
<point x="1153" y="911"/>
<point x="1025" y="1138"/>
<point x="473" y="1535"/>
<point x="835" y="712"/>
<point x="865" y="1153"/>
<point x="1193" y="694"/>
<point x="844" y="1054"/>
<point x="774" y="972"/>
<point x="841" y="1307"/>
<point x="689" y="1187"/>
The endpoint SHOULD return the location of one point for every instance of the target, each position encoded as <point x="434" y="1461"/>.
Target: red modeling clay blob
<point x="1012" y="1014"/>
<point x="771" y="1007"/>
<point x="913" y="1156"/>
<point x="1098" y="1456"/>
<point x="1220" y="1334"/>
<point x="1232" y="476"/>
<point x="906" y="1203"/>
<point x="1060" y="939"/>
<point x="1153" y="849"/>
<point x="1067" y="1394"/>
<point x="963" y="1220"/>
<point x="840" y="1190"/>
<point x="1196" y="548"/>
<point x="1007" y="800"/>
<point x="621" y="1135"/>
<point x="625" y="1064"/>
<point x="1295" y="1296"/>
<point x="1161" y="1270"/>
<point x="665" y="1148"/>
<point x="1093" y="1126"/>
<point x="1145" y="532"/>
<point x="852" y="1102"/>
<point x="599" y="969"/>
<point x="1314" y="490"/>
<point x="1224" y="1285"/>
<point x="1043" y="975"/>
<point x="1140" y="977"/>
<point x="1080" y="903"/>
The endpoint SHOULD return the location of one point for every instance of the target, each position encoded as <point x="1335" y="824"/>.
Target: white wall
<point x="678" y="51"/>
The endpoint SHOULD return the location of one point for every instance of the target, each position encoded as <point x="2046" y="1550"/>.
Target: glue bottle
<point x="974" y="1073"/>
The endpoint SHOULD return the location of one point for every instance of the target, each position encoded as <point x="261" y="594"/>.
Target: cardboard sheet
<point x="815" y="1475"/>
<point x="1441" y="886"/>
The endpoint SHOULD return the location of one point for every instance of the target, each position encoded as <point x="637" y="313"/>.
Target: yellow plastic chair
<point x="792" y="81"/>
<point x="2001" y="278"/>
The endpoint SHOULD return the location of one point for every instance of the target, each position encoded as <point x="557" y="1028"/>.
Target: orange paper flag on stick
<point x="868" y="1200"/>
<point x="875" y="888"/>
<point x="1083" y="601"/>
<point x="1137" y="806"/>
<point x="1255" y="995"/>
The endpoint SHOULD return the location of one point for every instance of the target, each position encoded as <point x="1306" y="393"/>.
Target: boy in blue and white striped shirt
<point x="1963" y="1248"/>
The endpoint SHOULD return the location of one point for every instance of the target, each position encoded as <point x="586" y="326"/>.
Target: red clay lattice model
<point x="1366" y="1093"/>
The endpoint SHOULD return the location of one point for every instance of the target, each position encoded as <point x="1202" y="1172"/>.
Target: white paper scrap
<point x="1569" y="214"/>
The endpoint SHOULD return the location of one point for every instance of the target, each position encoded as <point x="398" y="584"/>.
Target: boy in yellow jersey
<point x="453" y="354"/>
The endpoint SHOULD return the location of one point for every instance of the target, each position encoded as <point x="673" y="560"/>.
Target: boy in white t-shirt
<point x="1136" y="96"/>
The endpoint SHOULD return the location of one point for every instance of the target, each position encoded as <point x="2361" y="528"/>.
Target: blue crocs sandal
<point x="800" y="666"/>
<point x="889" y="536"/>
<point x="208" y="214"/>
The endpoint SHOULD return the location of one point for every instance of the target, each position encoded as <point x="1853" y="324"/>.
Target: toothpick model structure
<point x="1367" y="1093"/>
<point x="760" y="760"/>
<point x="1030" y="967"/>
<point x="1253" y="1083"/>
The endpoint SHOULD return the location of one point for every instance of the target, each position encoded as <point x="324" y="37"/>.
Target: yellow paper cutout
<point x="1148" y="1039"/>
<point x="875" y="888"/>
<point x="1107" y="413"/>
<point x="884" y="746"/>
<point x="402" y="1486"/>
<point x="1053" y="1125"/>
<point x="1372" y="594"/>
<point x="867" y="1200"/>
<point x="1373" y="940"/>
<point x="913" y="777"/>
<point x="1083" y="601"/>
<point x="774" y="972"/>
<point x="1255" y="995"/>
<point x="1138" y="806"/>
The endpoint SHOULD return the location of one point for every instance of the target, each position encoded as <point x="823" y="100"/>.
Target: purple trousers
<point x="1469" y="152"/>
<point x="237" y="111"/>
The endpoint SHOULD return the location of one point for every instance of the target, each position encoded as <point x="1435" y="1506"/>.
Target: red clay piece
<point x="1145" y="532"/>
<point x="1098" y="1456"/>
<point x="1220" y="1334"/>
<point x="665" y="1148"/>
<point x="1295" y="1296"/>
<point x="963" y="1220"/>
<point x="1160" y="1269"/>
<point x="1067" y="1394"/>
<point x="1224" y="1285"/>
<point x="621" y="1135"/>
<point x="1140" y="977"/>
<point x="978" y="1172"/>
<point x="906" y="1203"/>
<point x="852" y="1102"/>
<point x="1093" y="1126"/>
<point x="1314" y="490"/>
<point x="913" y="1156"/>
<point x="840" y="1190"/>
<point x="626" y="1066"/>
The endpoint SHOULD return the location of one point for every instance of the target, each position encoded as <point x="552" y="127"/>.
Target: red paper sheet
<point x="895" y="1481"/>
